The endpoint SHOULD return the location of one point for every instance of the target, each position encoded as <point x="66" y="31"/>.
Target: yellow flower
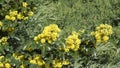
<point x="1" y="57"/>
<point x="13" y="18"/>
<point x="13" y="13"/>
<point x="49" y="34"/>
<point x="49" y="41"/>
<point x="33" y="61"/>
<point x="72" y="42"/>
<point x="7" y="17"/>
<point x="102" y="33"/>
<point x="24" y="4"/>
<point x="105" y="38"/>
<point x="1" y="65"/>
<point x="35" y="38"/>
<point x="0" y="23"/>
<point x="30" y="13"/>
<point x="42" y="40"/>
<point x="7" y="65"/>
<point x="40" y="62"/>
<point x="19" y="16"/>
<point x="98" y="36"/>
<point x="66" y="50"/>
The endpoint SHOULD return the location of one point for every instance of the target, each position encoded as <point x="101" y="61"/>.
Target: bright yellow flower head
<point x="7" y="65"/>
<point x="105" y="38"/>
<point x="33" y="61"/>
<point x="24" y="4"/>
<point x="13" y="18"/>
<point x="49" y="34"/>
<point x="13" y="13"/>
<point x="102" y="33"/>
<point x="43" y="40"/>
<point x="72" y="42"/>
<point x="7" y="17"/>
<point x="1" y="65"/>
<point x="19" y="16"/>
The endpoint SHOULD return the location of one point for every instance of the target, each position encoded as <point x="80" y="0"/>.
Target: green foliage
<point x="69" y="15"/>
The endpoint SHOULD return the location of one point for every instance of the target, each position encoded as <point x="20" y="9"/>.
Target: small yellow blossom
<point x="24" y="4"/>
<point x="1" y="65"/>
<point x="42" y="40"/>
<point x="33" y="61"/>
<point x="7" y="17"/>
<point x="19" y="16"/>
<point x="72" y="42"/>
<point x="102" y="33"/>
<point x="105" y="38"/>
<point x="13" y="18"/>
<point x="49" y="34"/>
<point x="13" y="13"/>
<point x="7" y="65"/>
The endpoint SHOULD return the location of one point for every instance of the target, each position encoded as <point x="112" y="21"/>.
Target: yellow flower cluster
<point x="59" y="63"/>
<point x="15" y="15"/>
<point x="49" y="34"/>
<point x="18" y="57"/>
<point x="4" y="65"/>
<point x="3" y="40"/>
<point x="24" y="4"/>
<point x="72" y="42"/>
<point x="1" y="24"/>
<point x="37" y="60"/>
<point x="102" y="33"/>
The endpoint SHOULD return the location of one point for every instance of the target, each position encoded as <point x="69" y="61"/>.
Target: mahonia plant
<point x="102" y="33"/>
<point x="72" y="42"/>
<point x="49" y="34"/>
<point x="19" y="15"/>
